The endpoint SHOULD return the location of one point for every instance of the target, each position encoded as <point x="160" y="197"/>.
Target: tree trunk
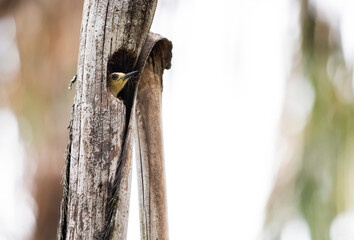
<point x="96" y="182"/>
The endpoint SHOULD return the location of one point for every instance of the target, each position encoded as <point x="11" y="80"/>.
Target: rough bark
<point x="149" y="150"/>
<point x="96" y="180"/>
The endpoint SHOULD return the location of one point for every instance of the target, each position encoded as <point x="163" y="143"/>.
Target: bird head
<point x="117" y="81"/>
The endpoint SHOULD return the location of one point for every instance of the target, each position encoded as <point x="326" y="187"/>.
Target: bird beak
<point x="128" y="75"/>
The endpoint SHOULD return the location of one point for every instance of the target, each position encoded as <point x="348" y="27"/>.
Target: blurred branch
<point x="314" y="185"/>
<point x="7" y="6"/>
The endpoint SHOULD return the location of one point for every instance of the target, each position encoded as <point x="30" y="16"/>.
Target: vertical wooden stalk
<point x="149" y="146"/>
<point x="96" y="182"/>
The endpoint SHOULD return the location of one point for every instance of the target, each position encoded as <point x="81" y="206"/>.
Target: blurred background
<point x="257" y="111"/>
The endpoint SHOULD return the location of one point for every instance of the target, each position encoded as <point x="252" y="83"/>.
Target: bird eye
<point x="115" y="77"/>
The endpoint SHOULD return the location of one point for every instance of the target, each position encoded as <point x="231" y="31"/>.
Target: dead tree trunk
<point x="96" y="180"/>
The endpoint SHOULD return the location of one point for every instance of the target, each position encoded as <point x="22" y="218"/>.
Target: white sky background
<point x="222" y="102"/>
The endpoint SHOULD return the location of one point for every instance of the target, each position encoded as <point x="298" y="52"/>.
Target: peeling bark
<point x="149" y="145"/>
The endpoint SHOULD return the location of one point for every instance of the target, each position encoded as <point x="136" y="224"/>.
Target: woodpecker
<point x="116" y="81"/>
